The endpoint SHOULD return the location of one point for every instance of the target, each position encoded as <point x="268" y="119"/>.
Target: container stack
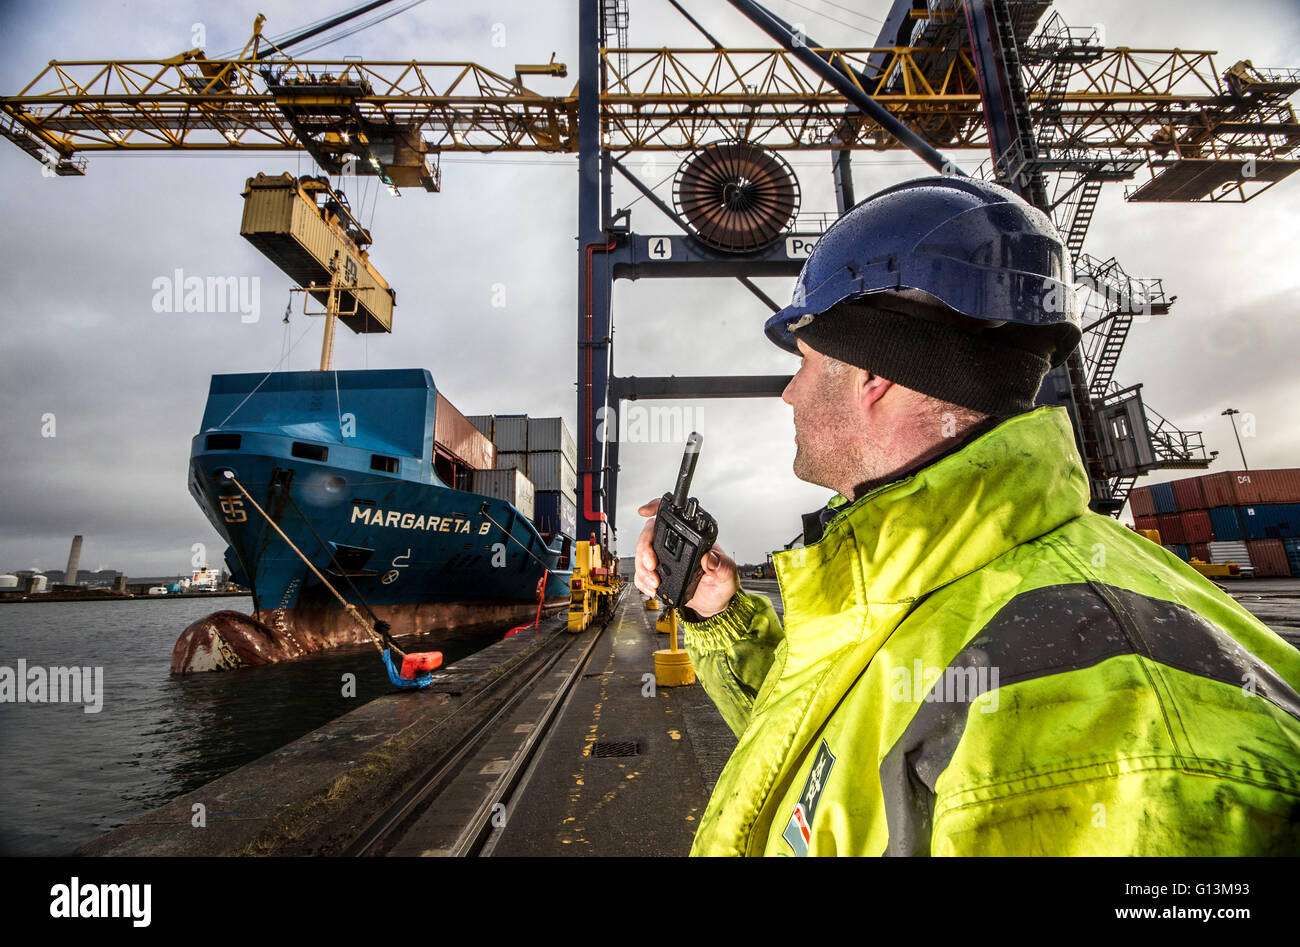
<point x="509" y="485"/>
<point x="1248" y="517"/>
<point x="454" y="435"/>
<point x="543" y="450"/>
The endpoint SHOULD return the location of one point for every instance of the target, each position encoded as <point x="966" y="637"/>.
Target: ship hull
<point x="229" y="640"/>
<point x="403" y="547"/>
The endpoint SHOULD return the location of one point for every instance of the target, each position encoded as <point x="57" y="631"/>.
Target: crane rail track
<point x="476" y="837"/>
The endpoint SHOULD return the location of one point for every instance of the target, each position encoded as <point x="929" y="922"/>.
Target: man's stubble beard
<point x="822" y="452"/>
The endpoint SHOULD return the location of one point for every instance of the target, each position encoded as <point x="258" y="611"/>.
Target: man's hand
<point x="717" y="585"/>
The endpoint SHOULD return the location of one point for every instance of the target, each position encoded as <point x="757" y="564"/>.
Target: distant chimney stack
<point x="74" y="560"/>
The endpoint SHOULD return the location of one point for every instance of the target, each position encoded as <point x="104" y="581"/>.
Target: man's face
<point x="824" y="410"/>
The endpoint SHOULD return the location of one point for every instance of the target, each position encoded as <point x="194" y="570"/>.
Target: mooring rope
<point x="380" y="642"/>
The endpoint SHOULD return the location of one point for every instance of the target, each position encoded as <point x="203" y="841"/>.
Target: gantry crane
<point x="1060" y="112"/>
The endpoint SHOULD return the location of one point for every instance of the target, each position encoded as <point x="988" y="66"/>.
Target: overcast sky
<point x="126" y="385"/>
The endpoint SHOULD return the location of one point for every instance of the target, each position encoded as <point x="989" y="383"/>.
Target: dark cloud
<point x="127" y="384"/>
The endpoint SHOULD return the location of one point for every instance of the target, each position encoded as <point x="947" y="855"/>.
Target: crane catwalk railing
<point x="663" y="99"/>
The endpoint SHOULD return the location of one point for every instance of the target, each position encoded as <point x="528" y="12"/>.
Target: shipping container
<point x="1197" y="527"/>
<point x="552" y="434"/>
<point x="1146" y="522"/>
<point x="1188" y="494"/>
<point x="1272" y="520"/>
<point x="551" y="470"/>
<point x="509" y="485"/>
<point x="1199" y="551"/>
<point x="555" y="512"/>
<point x="1179" y="550"/>
<point x="1139" y="501"/>
<point x="1225" y="522"/>
<point x="1230" y="488"/>
<point x="483" y="422"/>
<point x="1171" y="528"/>
<point x="1222" y="553"/>
<point x="1268" y="556"/>
<point x="510" y="433"/>
<point x="1162" y="498"/>
<point x="513" y="460"/>
<point x="283" y="220"/>
<point x="1278" y="486"/>
<point x="454" y="433"/>
<point x="1292" y="549"/>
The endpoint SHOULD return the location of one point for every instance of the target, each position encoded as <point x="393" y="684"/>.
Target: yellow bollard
<point x="673" y="666"/>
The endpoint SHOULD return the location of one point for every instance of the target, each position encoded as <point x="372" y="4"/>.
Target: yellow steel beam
<point x="665" y="99"/>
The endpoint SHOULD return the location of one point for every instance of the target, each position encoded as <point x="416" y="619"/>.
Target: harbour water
<point x="66" y="776"/>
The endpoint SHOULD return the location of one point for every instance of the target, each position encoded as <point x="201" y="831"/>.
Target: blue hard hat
<point x="977" y="248"/>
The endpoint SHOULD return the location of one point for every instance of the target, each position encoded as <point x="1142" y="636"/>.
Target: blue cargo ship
<point x="358" y="471"/>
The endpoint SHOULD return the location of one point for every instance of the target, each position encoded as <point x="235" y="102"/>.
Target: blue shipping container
<point x="1162" y="498"/>
<point x="555" y="512"/>
<point x="1272" y="520"/>
<point x="1292" y="547"/>
<point x="1226" y="525"/>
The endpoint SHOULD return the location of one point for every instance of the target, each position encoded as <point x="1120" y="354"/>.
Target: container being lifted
<point x="306" y="228"/>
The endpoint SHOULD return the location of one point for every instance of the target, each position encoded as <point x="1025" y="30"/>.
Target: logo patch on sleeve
<point x="798" y="831"/>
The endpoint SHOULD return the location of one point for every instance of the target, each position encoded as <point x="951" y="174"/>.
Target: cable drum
<point x="736" y="196"/>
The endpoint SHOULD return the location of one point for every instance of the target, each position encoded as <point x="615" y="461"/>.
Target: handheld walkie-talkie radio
<point x="684" y="534"/>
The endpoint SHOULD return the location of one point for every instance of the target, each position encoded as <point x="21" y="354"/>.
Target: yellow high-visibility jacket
<point x="974" y="663"/>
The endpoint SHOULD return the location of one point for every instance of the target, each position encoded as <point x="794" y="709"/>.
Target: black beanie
<point x="920" y="345"/>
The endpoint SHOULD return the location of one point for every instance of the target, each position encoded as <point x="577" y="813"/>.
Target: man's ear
<point x="870" y="389"/>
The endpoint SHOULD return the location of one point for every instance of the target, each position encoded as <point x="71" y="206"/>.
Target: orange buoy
<point x="414" y="665"/>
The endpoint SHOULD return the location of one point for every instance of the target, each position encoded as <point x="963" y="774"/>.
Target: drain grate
<point x="606" y="748"/>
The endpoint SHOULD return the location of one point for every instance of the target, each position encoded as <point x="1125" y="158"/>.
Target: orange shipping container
<point x="1230" y="488"/>
<point x="1171" y="528"/>
<point x="1140" y="503"/>
<point x="453" y="433"/>
<point x="1145" y="522"/>
<point x="1278" y="486"/>
<point x="1199" y="551"/>
<point x="1268" y="556"/>
<point x="1196" y="526"/>
<point x="1188" y="495"/>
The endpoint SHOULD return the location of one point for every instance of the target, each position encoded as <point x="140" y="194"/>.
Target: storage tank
<point x="37" y="583"/>
<point x="8" y="581"/>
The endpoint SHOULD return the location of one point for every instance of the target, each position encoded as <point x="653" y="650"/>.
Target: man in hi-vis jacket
<point x="972" y="661"/>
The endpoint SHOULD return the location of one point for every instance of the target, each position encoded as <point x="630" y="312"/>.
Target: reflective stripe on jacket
<point x="974" y="663"/>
